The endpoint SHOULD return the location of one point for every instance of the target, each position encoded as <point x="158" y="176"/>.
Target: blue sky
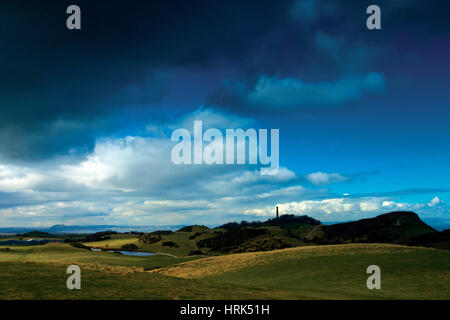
<point x="86" y="115"/>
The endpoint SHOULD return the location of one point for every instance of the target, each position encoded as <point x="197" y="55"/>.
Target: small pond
<point x="136" y="253"/>
<point x="127" y="253"/>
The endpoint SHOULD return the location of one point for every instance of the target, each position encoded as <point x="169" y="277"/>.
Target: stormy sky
<point x="86" y="115"/>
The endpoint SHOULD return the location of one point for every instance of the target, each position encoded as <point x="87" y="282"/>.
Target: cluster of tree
<point x="230" y="240"/>
<point x="281" y="221"/>
<point x="74" y="239"/>
<point x="244" y="240"/>
<point x="170" y="244"/>
<point x="242" y="224"/>
<point x="36" y="234"/>
<point x="99" y="236"/>
<point x="289" y="219"/>
<point x="129" y="247"/>
<point x="153" y="237"/>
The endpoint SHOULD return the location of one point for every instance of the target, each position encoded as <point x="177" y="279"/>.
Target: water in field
<point x="136" y="253"/>
<point x="127" y="253"/>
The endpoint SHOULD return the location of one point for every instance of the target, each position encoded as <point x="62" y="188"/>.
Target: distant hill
<point x="88" y="229"/>
<point x="394" y="227"/>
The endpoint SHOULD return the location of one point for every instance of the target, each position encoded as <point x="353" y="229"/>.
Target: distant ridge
<point x="393" y="227"/>
<point x="64" y="229"/>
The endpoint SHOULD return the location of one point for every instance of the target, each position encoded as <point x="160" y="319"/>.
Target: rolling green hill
<point x="329" y="271"/>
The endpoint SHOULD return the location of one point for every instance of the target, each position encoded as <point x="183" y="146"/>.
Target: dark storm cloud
<point x="324" y="56"/>
<point x="118" y="50"/>
<point x="120" y="59"/>
<point x="60" y="89"/>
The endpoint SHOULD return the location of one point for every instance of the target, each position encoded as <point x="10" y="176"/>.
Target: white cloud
<point x="335" y="209"/>
<point x="435" y="202"/>
<point x="15" y="178"/>
<point x="134" y="177"/>
<point x="322" y="178"/>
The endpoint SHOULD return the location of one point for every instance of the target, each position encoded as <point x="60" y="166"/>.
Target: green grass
<point x="315" y="272"/>
<point x="46" y="281"/>
<point x="331" y="272"/>
<point x="413" y="275"/>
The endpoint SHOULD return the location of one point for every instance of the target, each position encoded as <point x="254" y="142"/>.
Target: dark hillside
<point x="243" y="240"/>
<point x="394" y="227"/>
<point x="439" y="240"/>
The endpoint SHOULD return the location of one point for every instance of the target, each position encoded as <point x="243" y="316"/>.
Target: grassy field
<point x="330" y="272"/>
<point x="48" y="281"/>
<point x="315" y="272"/>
